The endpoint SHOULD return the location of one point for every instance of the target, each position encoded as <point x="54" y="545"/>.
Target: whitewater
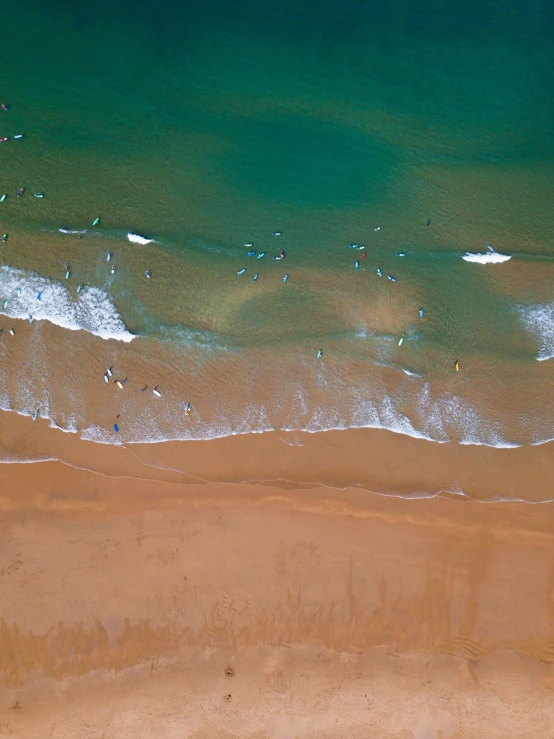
<point x="26" y="295"/>
<point x="439" y="418"/>
<point x="539" y="320"/>
<point x="491" y="257"/>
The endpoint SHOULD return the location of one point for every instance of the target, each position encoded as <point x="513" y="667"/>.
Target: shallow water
<point x="205" y="127"/>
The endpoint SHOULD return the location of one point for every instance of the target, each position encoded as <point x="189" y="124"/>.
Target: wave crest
<point x="491" y="257"/>
<point x="138" y="239"/>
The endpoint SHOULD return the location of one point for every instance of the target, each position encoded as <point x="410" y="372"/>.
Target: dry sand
<point x="246" y="588"/>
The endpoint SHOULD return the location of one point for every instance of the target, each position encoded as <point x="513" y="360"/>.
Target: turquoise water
<point x="205" y="126"/>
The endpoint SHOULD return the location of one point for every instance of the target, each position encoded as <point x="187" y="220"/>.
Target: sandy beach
<point x="201" y="589"/>
<point x="276" y="388"/>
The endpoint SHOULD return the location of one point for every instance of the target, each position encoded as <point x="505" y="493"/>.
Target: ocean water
<point x="202" y="127"/>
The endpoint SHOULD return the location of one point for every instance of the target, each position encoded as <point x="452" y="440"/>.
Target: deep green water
<point x="206" y="125"/>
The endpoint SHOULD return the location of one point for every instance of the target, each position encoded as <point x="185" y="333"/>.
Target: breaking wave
<point x="490" y="257"/>
<point x="137" y="239"/>
<point x="26" y="295"/>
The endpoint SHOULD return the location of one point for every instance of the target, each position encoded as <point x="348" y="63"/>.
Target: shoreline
<point x="484" y="404"/>
<point x="375" y="461"/>
<point x="385" y="573"/>
<point x="130" y="578"/>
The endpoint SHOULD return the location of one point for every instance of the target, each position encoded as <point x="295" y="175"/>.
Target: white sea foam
<point x="539" y="320"/>
<point x="91" y="310"/>
<point x="437" y="418"/>
<point x="490" y="257"/>
<point x="137" y="239"/>
<point x="414" y="409"/>
<point x="363" y="413"/>
<point x="448" y="416"/>
<point x="149" y="431"/>
<point x="444" y="414"/>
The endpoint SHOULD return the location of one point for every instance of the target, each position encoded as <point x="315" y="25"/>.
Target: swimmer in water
<point x="428" y="222"/>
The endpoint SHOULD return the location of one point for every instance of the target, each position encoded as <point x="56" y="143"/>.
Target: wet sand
<point x="244" y="587"/>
